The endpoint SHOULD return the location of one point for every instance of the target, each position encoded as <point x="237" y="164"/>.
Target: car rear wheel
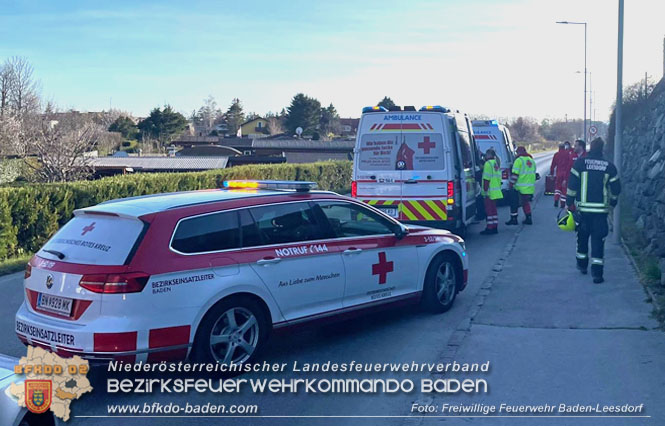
<point x="441" y="283"/>
<point x="232" y="332"/>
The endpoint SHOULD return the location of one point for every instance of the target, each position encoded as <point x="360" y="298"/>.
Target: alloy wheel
<point x="234" y="336"/>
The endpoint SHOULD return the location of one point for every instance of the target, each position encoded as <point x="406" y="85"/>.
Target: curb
<point x="654" y="301"/>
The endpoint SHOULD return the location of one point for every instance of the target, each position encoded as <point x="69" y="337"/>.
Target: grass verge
<point x="15" y="264"/>
<point x="648" y="266"/>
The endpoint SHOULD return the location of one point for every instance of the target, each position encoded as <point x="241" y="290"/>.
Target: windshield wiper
<point x="59" y="254"/>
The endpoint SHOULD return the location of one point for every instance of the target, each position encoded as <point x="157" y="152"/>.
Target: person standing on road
<point x="491" y="191"/>
<point x="579" y="151"/>
<point x="557" y="169"/>
<point x="522" y="186"/>
<point x="594" y="186"/>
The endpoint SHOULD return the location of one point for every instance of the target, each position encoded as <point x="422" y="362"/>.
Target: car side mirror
<point x="400" y="231"/>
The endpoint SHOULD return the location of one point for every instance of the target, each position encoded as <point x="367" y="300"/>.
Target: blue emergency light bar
<point x="435" y="108"/>
<point x="480" y="123"/>
<point x="485" y="123"/>
<point x="374" y="109"/>
<point x="299" y="186"/>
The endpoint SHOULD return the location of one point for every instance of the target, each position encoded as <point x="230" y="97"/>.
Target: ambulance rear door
<point x="423" y="158"/>
<point x="377" y="180"/>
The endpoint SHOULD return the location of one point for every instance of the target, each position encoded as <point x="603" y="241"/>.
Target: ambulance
<point x="491" y="134"/>
<point x="419" y="167"/>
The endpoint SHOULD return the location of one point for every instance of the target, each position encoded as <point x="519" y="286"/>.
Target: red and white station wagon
<point x="208" y="274"/>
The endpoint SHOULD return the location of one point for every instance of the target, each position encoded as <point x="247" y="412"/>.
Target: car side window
<point x="465" y="146"/>
<point x="211" y="232"/>
<point x="286" y="223"/>
<point x="249" y="231"/>
<point x="353" y="220"/>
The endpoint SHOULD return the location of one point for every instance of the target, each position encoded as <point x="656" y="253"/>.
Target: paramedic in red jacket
<point x="579" y="151"/>
<point x="557" y="169"/>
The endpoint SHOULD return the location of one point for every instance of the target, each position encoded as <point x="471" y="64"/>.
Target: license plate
<point x="392" y="211"/>
<point x="59" y="305"/>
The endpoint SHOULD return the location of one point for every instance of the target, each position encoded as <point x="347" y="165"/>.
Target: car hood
<point x="424" y="230"/>
<point x="4" y="373"/>
<point x="7" y="375"/>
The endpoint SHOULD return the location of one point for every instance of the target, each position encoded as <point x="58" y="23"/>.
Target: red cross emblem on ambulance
<point x="426" y="145"/>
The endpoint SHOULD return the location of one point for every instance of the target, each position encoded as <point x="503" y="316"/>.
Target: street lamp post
<point x="585" y="69"/>
<point x="618" y="117"/>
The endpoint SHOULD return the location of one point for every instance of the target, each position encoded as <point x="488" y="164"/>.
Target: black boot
<point x="597" y="273"/>
<point x="528" y="220"/>
<point x="513" y="220"/>
<point x="556" y="203"/>
<point x="582" y="265"/>
<point x="489" y="231"/>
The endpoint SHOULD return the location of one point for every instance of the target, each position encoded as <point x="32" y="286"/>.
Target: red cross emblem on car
<point x="88" y="228"/>
<point x="426" y="145"/>
<point x="382" y="268"/>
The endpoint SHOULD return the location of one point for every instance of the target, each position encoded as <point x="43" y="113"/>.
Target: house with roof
<point x="255" y="128"/>
<point x="349" y="126"/>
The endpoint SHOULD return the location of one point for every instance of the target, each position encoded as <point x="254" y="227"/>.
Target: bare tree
<point x="10" y="133"/>
<point x="6" y="78"/>
<point x="59" y="141"/>
<point x="23" y="96"/>
<point x="274" y="125"/>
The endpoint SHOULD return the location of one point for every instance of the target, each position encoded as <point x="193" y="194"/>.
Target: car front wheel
<point x="441" y="283"/>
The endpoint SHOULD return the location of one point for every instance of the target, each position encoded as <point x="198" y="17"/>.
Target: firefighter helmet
<point x="566" y="220"/>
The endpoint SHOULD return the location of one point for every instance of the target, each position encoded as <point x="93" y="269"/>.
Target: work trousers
<point x="492" y="214"/>
<point x="560" y="188"/>
<point x="594" y="226"/>
<point x="515" y="198"/>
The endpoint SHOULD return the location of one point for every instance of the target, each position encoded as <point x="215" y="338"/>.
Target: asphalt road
<point x="499" y="317"/>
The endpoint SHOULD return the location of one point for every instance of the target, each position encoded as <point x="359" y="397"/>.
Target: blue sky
<point x="499" y="58"/>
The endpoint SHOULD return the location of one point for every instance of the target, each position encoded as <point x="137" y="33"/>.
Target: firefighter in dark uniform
<point x="593" y="187"/>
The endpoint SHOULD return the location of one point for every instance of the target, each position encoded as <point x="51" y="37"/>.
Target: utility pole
<point x="618" y="132"/>
<point x="590" y="101"/>
<point x="585" y="71"/>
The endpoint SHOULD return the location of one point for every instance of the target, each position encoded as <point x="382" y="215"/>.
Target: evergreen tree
<point x="303" y="112"/>
<point x="235" y="116"/>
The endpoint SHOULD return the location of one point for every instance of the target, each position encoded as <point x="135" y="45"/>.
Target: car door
<point x="304" y="275"/>
<point x="378" y="265"/>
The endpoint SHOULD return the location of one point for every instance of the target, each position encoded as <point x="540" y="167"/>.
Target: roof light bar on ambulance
<point x="485" y="123"/>
<point x="375" y="109"/>
<point x="435" y="108"/>
<point x="299" y="186"/>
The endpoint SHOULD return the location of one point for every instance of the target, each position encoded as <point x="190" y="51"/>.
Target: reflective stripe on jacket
<point x="593" y="185"/>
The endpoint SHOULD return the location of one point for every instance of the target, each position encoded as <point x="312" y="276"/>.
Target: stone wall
<point x="643" y="174"/>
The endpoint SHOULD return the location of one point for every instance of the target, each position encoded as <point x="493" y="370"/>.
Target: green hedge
<point x="30" y="214"/>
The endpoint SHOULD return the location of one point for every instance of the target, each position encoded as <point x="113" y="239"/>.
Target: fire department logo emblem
<point x="38" y="395"/>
